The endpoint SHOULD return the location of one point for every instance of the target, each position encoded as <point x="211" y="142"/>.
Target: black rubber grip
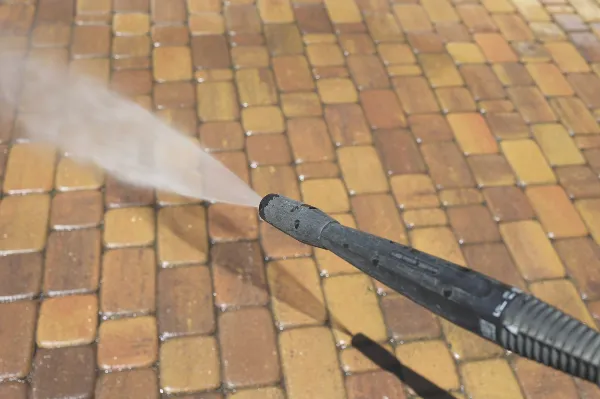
<point x="538" y="331"/>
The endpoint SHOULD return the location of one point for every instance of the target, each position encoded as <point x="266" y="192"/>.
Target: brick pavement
<point x="466" y="128"/>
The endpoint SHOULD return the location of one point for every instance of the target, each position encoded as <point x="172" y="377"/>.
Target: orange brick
<point x="362" y="170"/>
<point x="465" y="53"/>
<point x="590" y="212"/>
<point x="67" y="321"/>
<point x="484" y="379"/>
<point x="563" y="295"/>
<point x="540" y="381"/>
<point x="23" y="223"/>
<point x="567" y="57"/>
<point x="472" y="133"/>
<point x="440" y="11"/>
<point x="256" y="86"/>
<point x="549" y="79"/>
<point x="412" y="17"/>
<point x="306" y="354"/>
<point x="129" y="342"/>
<point x="495" y="48"/>
<point x="181" y="235"/>
<point x="343" y="11"/>
<point x="259" y="120"/>
<point x="378" y="215"/>
<point x="396" y="53"/>
<point x="29" y="169"/>
<point x="556" y="212"/>
<point x="329" y="195"/>
<point x="131" y="24"/>
<point x="16" y="357"/>
<point x="532" y="251"/>
<point x="172" y="63"/>
<point x="217" y="102"/>
<point x="440" y="70"/>
<point x="383" y="27"/>
<point x="441" y="371"/>
<point x="292" y="276"/>
<point x="527" y="161"/>
<point x="425" y="218"/>
<point x="574" y="115"/>
<point x="414" y="191"/>
<point x="437" y="241"/>
<point x="321" y="55"/>
<point x="357" y="313"/>
<point x="556" y="144"/>
<point x="181" y="372"/>
<point x="129" y="227"/>
<point x="337" y="91"/>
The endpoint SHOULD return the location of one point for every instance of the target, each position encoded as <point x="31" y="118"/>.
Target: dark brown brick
<point x="430" y="128"/>
<point x="18" y="339"/>
<point x="185" y="301"/>
<point x="270" y="149"/>
<point x="447" y="166"/>
<point x="210" y="52"/>
<point x="507" y="125"/>
<point x="368" y="72"/>
<point x="221" y="136"/>
<point x="494" y="260"/>
<point x="131" y="5"/>
<point x="72" y="261"/>
<point x="232" y="223"/>
<point x="508" y="204"/>
<point x="174" y="95"/>
<point x="90" y="41"/>
<point x="239" y="275"/>
<point x="347" y="124"/>
<point x="118" y="194"/>
<point x="482" y="82"/>
<point x="55" y="11"/>
<point x="248" y="347"/>
<point x="377" y="214"/>
<point x="382" y="108"/>
<point x="579" y="181"/>
<point x="128" y="281"/>
<point x="399" y="152"/>
<point x="168" y="12"/>
<point x="131" y="83"/>
<point x="283" y="39"/>
<point x="78" y="209"/>
<point x="64" y="372"/>
<point x="473" y="224"/>
<point x="581" y="256"/>
<point x="277" y="245"/>
<point x="141" y="383"/>
<point x="242" y="18"/>
<point x="540" y="382"/>
<point x="312" y="18"/>
<point x="587" y="87"/>
<point x="170" y="35"/>
<point x="375" y="384"/>
<point x="14" y="390"/>
<point x="407" y="321"/>
<point x="20" y="276"/>
<point x="425" y="42"/>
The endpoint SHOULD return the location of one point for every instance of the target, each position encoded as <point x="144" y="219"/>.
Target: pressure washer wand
<point x="495" y="311"/>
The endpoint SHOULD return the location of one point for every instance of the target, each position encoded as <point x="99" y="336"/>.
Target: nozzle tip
<point x="264" y="203"/>
<point x="300" y="221"/>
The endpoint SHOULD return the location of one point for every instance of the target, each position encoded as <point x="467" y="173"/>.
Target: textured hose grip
<point x="538" y="331"/>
